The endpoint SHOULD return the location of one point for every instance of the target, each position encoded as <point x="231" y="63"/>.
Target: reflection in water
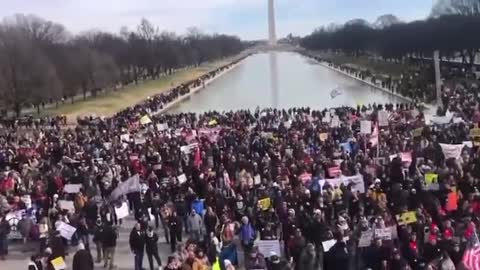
<point x="274" y="78"/>
<point x="282" y="80"/>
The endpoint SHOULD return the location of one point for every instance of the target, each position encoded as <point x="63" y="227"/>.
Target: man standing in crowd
<point x="151" y="246"/>
<point x="137" y="245"/>
<point x="4" y="231"/>
<point x="175" y="228"/>
<point x="195" y="225"/>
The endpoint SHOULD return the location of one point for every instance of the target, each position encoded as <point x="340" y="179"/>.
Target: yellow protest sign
<point x="475" y="132"/>
<point x="323" y="136"/>
<point x="145" y="120"/>
<point x="212" y="122"/>
<point x="265" y="204"/>
<point x="406" y="218"/>
<point x="417" y="132"/>
<point x="58" y="263"/>
<point x="431" y="178"/>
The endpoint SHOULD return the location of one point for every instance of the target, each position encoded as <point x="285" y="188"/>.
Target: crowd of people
<point x="372" y="187"/>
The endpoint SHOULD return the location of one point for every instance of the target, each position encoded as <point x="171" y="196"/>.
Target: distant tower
<point x="272" y="36"/>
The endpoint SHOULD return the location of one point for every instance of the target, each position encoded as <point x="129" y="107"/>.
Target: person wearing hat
<point x="275" y="263"/>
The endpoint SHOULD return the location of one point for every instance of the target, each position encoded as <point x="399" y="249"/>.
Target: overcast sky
<point x="245" y="18"/>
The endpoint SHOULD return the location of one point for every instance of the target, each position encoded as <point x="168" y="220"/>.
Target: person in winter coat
<point x="247" y="234"/>
<point x="275" y="263"/>
<point x="308" y="259"/>
<point x="4" y="231"/>
<point x="82" y="260"/>
<point x="151" y="247"/>
<point x="109" y="243"/>
<point x="195" y="225"/>
<point x="97" y="239"/>
<point x="137" y="245"/>
<point x="57" y="245"/>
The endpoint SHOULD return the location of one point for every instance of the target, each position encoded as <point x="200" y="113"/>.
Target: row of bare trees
<point x="41" y="62"/>
<point x="451" y="29"/>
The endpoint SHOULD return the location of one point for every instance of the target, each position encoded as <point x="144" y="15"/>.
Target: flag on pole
<point x="131" y="185"/>
<point x="471" y="257"/>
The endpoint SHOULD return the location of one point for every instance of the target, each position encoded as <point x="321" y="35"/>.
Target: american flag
<point x="471" y="257"/>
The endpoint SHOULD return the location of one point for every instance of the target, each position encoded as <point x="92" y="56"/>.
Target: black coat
<point x="82" y="260"/>
<point x="151" y="243"/>
<point x="109" y="237"/>
<point x="137" y="241"/>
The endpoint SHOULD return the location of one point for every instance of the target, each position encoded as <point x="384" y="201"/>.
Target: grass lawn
<point x="107" y="104"/>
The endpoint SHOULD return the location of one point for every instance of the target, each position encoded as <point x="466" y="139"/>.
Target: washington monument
<point x="272" y="36"/>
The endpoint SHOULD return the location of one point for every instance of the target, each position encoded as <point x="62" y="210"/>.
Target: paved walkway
<point x="19" y="254"/>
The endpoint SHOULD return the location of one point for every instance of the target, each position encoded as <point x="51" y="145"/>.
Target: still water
<point x="281" y="80"/>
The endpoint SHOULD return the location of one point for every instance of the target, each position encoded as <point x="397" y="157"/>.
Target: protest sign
<point x="266" y="247"/>
<point x="452" y="201"/>
<point x="383" y="233"/>
<point x="431" y="181"/>
<point x="334" y="171"/>
<point x="182" y="178"/>
<point x="305" y="177"/>
<point x="383" y="118"/>
<point x="67" y="205"/>
<point x="355" y="181"/>
<point x="417" y="132"/>
<point x="107" y="145"/>
<point x="257" y="180"/>
<point x="406" y="218"/>
<point x="365" y="127"/>
<point x="335" y="121"/>
<point x="475" y="132"/>
<point x="122" y="211"/>
<point x="265" y="203"/>
<point x="58" y="263"/>
<point x="140" y="140"/>
<point x="72" y="188"/>
<point x="145" y="120"/>
<point x="327" y="245"/>
<point x="125" y="137"/>
<point x="66" y="231"/>
<point x="187" y="149"/>
<point x="468" y="144"/>
<point x="162" y="126"/>
<point x="406" y="157"/>
<point x="441" y="120"/>
<point x="323" y="136"/>
<point x="451" y="150"/>
<point x="365" y="239"/>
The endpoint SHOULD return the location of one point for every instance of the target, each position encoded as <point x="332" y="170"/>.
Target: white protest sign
<point x="383" y="118"/>
<point x="383" y="233"/>
<point x="257" y="180"/>
<point x="66" y="231"/>
<point x="66" y="205"/>
<point x="125" y="137"/>
<point x="468" y="144"/>
<point x="365" y="239"/>
<point x="335" y="121"/>
<point x="150" y="215"/>
<point x="265" y="247"/>
<point x="355" y="181"/>
<point x="451" y="150"/>
<point x="187" y="149"/>
<point x="107" y="145"/>
<point x="365" y="127"/>
<point x="162" y="127"/>
<point x="122" y="211"/>
<point x="182" y="178"/>
<point x="140" y="140"/>
<point x="72" y="188"/>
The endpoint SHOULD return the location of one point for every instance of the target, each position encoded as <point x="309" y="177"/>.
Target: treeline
<point x="41" y="62"/>
<point x="453" y="35"/>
